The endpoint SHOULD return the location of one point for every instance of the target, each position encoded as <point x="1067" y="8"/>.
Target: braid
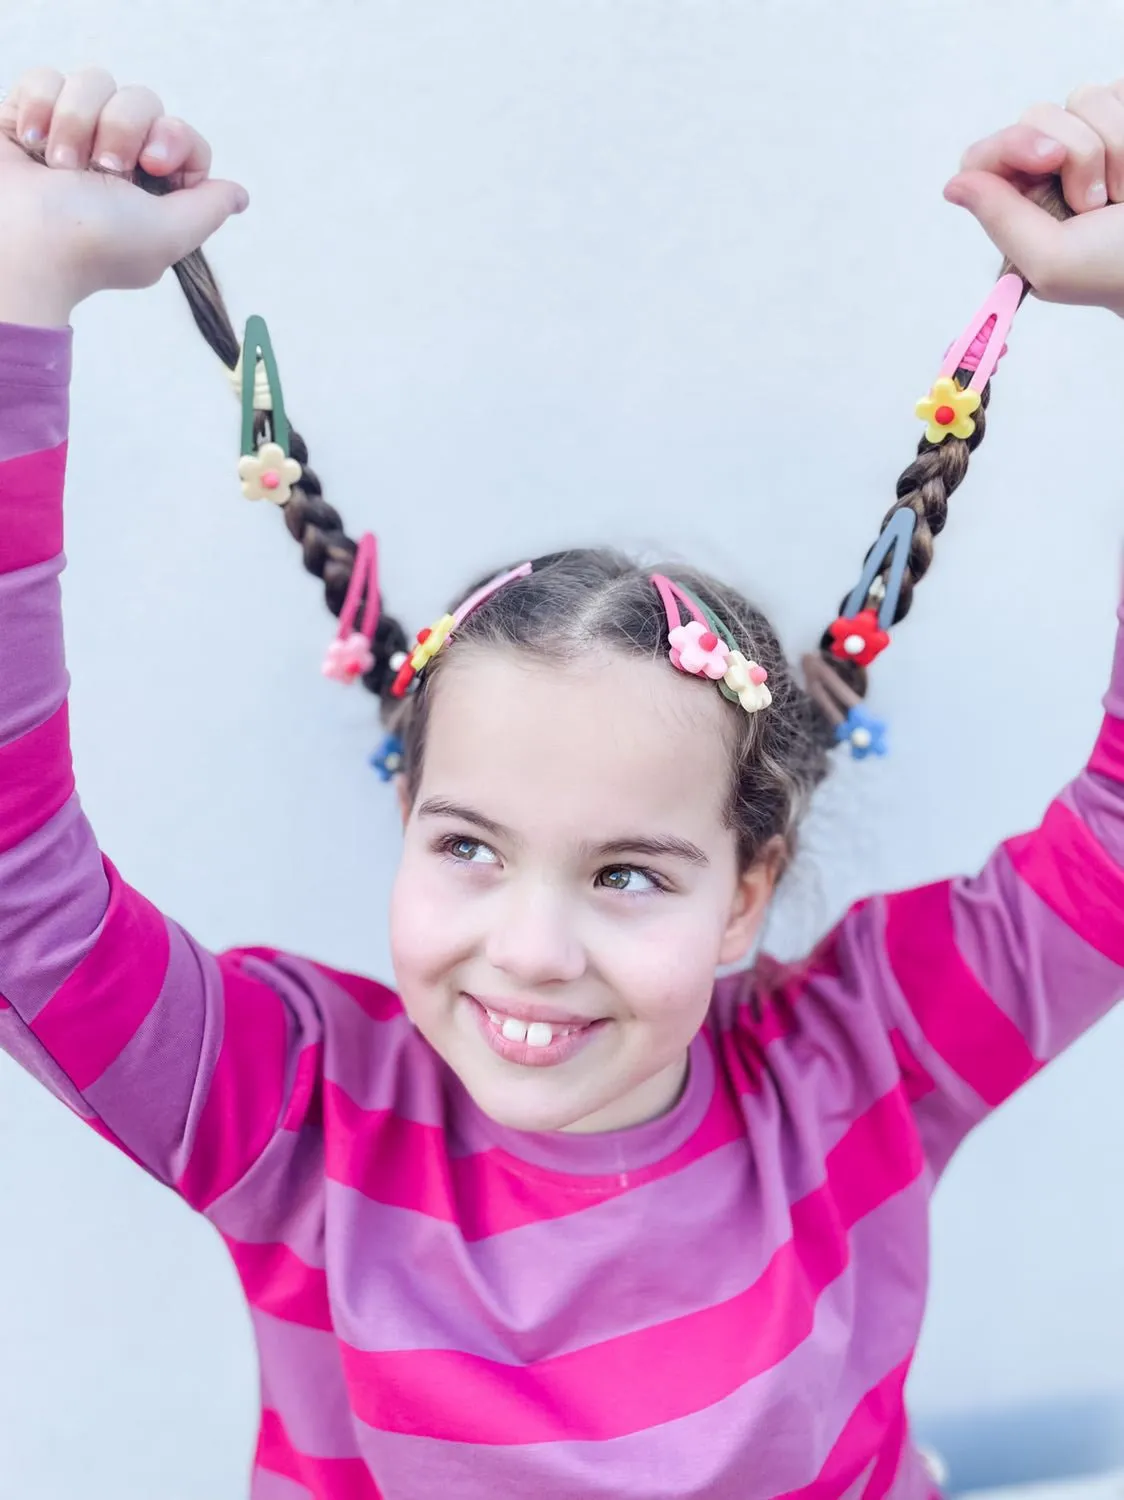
<point x="924" y="487"/>
<point x="327" y="550"/>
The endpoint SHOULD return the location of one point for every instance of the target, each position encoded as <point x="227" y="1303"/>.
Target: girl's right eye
<point x="468" y="851"/>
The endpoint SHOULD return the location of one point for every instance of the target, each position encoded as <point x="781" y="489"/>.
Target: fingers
<point x="70" y="137"/>
<point x="173" y="147"/>
<point x="1102" y="109"/>
<point x="125" y="124"/>
<point x="1084" y="170"/>
<point x="33" y="101"/>
<point x="1018" y="151"/>
<point x="1029" y="236"/>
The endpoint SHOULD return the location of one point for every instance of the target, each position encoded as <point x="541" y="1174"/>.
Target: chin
<point x="517" y="1107"/>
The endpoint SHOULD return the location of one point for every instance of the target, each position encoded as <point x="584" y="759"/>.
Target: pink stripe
<point x="958" y="1017"/>
<point x="278" y="1282"/>
<point x="379" y="1003"/>
<point x="407" y="1165"/>
<point x="99" y="1127"/>
<point x="457" y="1397"/>
<point x="1107" y="758"/>
<point x="35" y="778"/>
<point x="327" y="1478"/>
<point x="304" y="1107"/>
<point x="1067" y="868"/>
<point x="31" y="508"/>
<point x="96" y="1011"/>
<point x="245" y="1095"/>
<point x="880" y="1410"/>
<point x="917" y="1081"/>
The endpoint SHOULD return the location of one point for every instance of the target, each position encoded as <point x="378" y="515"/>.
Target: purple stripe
<point x="146" y="1094"/>
<point x="53" y="898"/>
<point x="802" y="1404"/>
<point x="302" y="1380"/>
<point x="267" y="1486"/>
<point x="1036" y="969"/>
<point x="1097" y="802"/>
<point x="34" y="377"/>
<point x="376" y="1063"/>
<point x="34" y="682"/>
<point x="282" y="1200"/>
<point x="25" y="1049"/>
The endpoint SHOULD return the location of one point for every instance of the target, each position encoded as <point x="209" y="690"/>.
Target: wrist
<point x="28" y="302"/>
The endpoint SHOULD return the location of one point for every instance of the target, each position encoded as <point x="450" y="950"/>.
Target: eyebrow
<point x="662" y="846"/>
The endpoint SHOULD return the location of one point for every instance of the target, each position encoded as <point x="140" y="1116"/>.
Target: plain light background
<point x="670" y="275"/>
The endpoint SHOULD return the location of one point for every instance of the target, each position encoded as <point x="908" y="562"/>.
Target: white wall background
<point x="540" y="273"/>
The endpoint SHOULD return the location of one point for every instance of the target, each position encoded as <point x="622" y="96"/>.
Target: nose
<point x="534" y="938"/>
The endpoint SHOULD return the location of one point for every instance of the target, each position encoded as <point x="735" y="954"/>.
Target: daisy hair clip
<point x="268" y="472"/>
<point x="703" y="647"/>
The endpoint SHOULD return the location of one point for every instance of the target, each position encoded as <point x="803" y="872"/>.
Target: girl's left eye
<point x="629" y="879"/>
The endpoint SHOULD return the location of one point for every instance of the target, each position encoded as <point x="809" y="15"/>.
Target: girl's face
<point x="568" y="886"/>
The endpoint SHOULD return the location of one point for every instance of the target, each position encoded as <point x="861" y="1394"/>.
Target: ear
<point x="404" y="803"/>
<point x="751" y="901"/>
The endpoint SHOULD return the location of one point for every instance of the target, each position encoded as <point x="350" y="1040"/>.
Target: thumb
<point x="1025" y="233"/>
<point x="191" y="215"/>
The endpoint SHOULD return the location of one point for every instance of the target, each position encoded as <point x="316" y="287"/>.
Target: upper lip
<point x="549" y="1014"/>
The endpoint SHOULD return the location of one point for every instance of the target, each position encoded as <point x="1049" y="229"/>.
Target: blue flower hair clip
<point x="389" y="758"/>
<point x="842" y="706"/>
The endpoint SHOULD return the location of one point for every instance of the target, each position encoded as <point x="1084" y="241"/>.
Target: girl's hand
<point x="67" y="231"/>
<point x="1082" y="259"/>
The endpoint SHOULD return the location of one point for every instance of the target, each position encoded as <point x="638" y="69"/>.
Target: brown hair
<point x="574" y="599"/>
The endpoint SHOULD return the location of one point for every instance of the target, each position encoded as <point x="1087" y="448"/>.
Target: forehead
<point x="602" y="743"/>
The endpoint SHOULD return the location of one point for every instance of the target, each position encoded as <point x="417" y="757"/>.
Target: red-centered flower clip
<point x="858" y="638"/>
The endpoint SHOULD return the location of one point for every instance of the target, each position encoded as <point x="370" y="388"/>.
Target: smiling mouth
<point x="534" y="1043"/>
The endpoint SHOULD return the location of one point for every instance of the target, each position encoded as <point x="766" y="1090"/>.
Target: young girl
<point x="561" y="1216"/>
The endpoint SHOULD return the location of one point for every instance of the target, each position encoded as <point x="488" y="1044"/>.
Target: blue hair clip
<point x="865" y="734"/>
<point x="389" y="758"/>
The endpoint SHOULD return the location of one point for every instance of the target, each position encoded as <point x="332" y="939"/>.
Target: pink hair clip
<point x="350" y="656"/>
<point x="948" y="408"/>
<point x="703" y="648"/>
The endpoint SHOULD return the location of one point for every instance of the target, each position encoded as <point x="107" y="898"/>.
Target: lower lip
<point x="559" y="1050"/>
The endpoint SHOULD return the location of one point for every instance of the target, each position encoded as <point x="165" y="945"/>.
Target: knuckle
<point x="1085" y="94"/>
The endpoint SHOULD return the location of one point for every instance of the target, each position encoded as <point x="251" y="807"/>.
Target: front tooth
<point x="539" y="1034"/>
<point x="513" y="1030"/>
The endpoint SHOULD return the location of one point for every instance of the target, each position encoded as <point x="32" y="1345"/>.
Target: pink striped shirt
<point x="722" y="1304"/>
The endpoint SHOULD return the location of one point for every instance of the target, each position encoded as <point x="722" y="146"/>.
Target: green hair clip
<point x="268" y="472"/>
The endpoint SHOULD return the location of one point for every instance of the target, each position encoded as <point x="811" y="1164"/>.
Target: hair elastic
<point x="705" y="648"/>
<point x="350" y="656"/>
<point x="433" y="638"/>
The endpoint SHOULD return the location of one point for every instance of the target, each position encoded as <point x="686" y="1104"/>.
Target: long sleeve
<point x="980" y="981"/>
<point x="189" y="1061"/>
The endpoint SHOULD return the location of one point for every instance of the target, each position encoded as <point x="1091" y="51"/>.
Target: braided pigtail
<point x="328" y="552"/>
<point x="956" y="422"/>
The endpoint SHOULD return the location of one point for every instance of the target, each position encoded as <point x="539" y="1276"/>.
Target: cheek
<point x="666" y="967"/>
<point x="423" y="942"/>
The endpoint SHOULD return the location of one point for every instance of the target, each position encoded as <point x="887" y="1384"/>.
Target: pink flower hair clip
<point x="703" y="647"/>
<point x="350" y="656"/>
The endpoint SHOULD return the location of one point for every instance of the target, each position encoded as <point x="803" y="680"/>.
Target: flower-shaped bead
<point x="697" y="650"/>
<point x="349" y="659"/>
<point x="948" y="409"/>
<point x="430" y="642"/>
<point x="746" y="680"/>
<point x="865" y="734"/>
<point x="389" y="758"/>
<point x="268" y="474"/>
<point x="858" y="638"/>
